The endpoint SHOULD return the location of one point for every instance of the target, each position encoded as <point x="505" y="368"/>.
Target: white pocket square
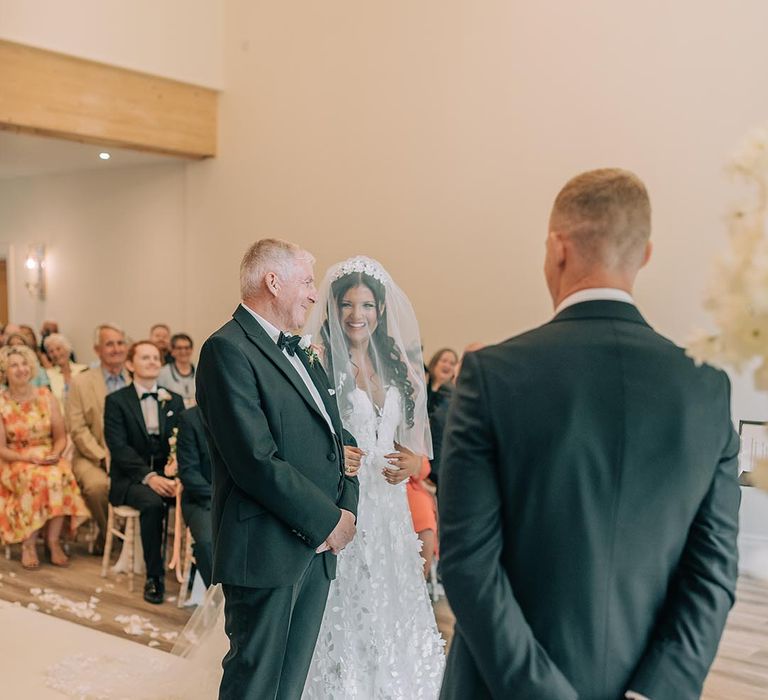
<point x="169" y="414"/>
<point x="332" y="392"/>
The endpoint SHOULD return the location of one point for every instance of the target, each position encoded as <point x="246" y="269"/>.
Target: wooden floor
<point x="740" y="671"/>
<point x="80" y="595"/>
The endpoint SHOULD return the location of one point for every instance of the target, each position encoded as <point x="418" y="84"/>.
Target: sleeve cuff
<point x="632" y="695"/>
<point x="146" y="479"/>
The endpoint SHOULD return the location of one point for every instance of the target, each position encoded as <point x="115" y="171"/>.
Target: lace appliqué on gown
<point x="379" y="639"/>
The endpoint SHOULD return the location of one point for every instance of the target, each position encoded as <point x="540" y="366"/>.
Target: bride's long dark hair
<point x="381" y="345"/>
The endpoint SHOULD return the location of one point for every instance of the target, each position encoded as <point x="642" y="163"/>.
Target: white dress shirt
<point x="595" y="294"/>
<point x="149" y="408"/>
<point x="298" y="365"/>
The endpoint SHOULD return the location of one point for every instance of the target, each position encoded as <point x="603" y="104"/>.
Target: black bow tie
<point x="148" y="394"/>
<point x="288" y="342"/>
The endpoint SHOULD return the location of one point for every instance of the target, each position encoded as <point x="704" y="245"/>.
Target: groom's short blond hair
<point x="264" y="256"/>
<point x="607" y="215"/>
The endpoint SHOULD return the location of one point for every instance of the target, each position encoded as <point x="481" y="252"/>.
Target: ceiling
<point x="22" y="155"/>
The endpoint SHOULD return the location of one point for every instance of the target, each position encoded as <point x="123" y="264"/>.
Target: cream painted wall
<point x="115" y="248"/>
<point x="434" y="136"/>
<point x="179" y="39"/>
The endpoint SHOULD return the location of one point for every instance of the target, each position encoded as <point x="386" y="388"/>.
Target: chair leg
<point x="433" y="581"/>
<point x="186" y="582"/>
<point x="7" y="551"/>
<point x="92" y="535"/>
<point x="108" y="542"/>
<point x="130" y="534"/>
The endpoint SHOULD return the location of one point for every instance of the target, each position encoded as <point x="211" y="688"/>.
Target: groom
<point x="594" y="555"/>
<point x="282" y="507"/>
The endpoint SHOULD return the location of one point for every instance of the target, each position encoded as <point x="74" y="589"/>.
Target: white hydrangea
<point x="737" y="296"/>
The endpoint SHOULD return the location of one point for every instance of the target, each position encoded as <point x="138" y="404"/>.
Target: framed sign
<point x="754" y="447"/>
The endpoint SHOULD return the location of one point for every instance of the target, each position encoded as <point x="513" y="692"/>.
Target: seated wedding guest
<point x="8" y="330"/>
<point x="160" y="335"/>
<point x="441" y="371"/>
<point x="17" y="340"/>
<point x="421" y="502"/>
<point x="31" y="340"/>
<point x="138" y="422"/>
<point x="440" y="374"/>
<point x="37" y="487"/>
<point x="179" y="374"/>
<point x="59" y="350"/>
<point x="195" y="474"/>
<point x="85" y="420"/>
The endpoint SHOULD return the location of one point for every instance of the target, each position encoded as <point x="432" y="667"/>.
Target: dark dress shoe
<point x="154" y="591"/>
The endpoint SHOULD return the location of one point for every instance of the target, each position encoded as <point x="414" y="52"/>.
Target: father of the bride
<point x="282" y="506"/>
<point x="588" y="492"/>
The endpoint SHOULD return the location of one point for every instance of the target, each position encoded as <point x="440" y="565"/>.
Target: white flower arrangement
<point x="163" y="395"/>
<point x="738" y="295"/>
<point x="310" y="351"/>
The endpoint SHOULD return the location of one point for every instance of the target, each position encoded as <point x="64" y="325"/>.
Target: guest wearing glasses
<point x="179" y="374"/>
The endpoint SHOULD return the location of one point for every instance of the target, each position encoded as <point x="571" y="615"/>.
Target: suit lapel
<point x="258" y="336"/>
<point x="320" y="380"/>
<point x="134" y="405"/>
<point x="161" y="420"/>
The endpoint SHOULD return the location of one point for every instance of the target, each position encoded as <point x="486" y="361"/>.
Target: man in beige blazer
<point x="85" y="419"/>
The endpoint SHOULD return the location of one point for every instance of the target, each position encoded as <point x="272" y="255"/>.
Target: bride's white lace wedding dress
<point x="379" y="639"/>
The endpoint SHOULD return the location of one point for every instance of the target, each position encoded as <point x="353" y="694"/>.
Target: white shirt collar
<point x="141" y="390"/>
<point x="595" y="294"/>
<point x="272" y="331"/>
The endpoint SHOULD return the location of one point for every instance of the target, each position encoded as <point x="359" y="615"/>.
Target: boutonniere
<point x="309" y="350"/>
<point x="171" y="467"/>
<point x="163" y="396"/>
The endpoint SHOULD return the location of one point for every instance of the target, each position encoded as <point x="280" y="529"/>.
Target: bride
<point x="378" y="638"/>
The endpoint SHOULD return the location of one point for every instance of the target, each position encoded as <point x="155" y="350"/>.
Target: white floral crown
<point x="360" y="263"/>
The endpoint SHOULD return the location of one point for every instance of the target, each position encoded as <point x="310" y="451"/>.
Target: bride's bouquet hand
<point x="405" y="463"/>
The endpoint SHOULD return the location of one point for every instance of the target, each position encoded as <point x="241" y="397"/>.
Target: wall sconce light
<point x="35" y="265"/>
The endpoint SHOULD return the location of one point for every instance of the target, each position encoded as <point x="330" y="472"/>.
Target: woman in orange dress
<point x="37" y="486"/>
<point x="421" y="501"/>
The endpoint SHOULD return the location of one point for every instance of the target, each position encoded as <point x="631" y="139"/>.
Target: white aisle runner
<point x="32" y="642"/>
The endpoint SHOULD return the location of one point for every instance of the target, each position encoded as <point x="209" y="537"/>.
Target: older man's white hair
<point x="265" y="256"/>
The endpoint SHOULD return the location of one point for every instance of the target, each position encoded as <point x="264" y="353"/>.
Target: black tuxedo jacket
<point x="588" y="513"/>
<point x="193" y="459"/>
<point x="128" y="441"/>
<point x="278" y="469"/>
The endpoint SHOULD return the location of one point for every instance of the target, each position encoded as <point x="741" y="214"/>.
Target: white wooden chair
<point x="128" y="535"/>
<point x="187" y="564"/>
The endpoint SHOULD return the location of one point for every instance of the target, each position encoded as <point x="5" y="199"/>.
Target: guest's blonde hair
<point x="25" y="353"/>
<point x="607" y="215"/>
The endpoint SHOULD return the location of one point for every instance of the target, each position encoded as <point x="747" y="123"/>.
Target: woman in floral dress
<point x="37" y="486"/>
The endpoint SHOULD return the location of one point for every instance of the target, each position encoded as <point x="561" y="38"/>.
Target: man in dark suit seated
<point x="195" y="474"/>
<point x="138" y="421"/>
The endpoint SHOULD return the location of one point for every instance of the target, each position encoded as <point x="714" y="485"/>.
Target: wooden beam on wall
<point x="43" y="92"/>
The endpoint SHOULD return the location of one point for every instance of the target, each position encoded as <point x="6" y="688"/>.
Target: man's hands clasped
<point x="341" y="535"/>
